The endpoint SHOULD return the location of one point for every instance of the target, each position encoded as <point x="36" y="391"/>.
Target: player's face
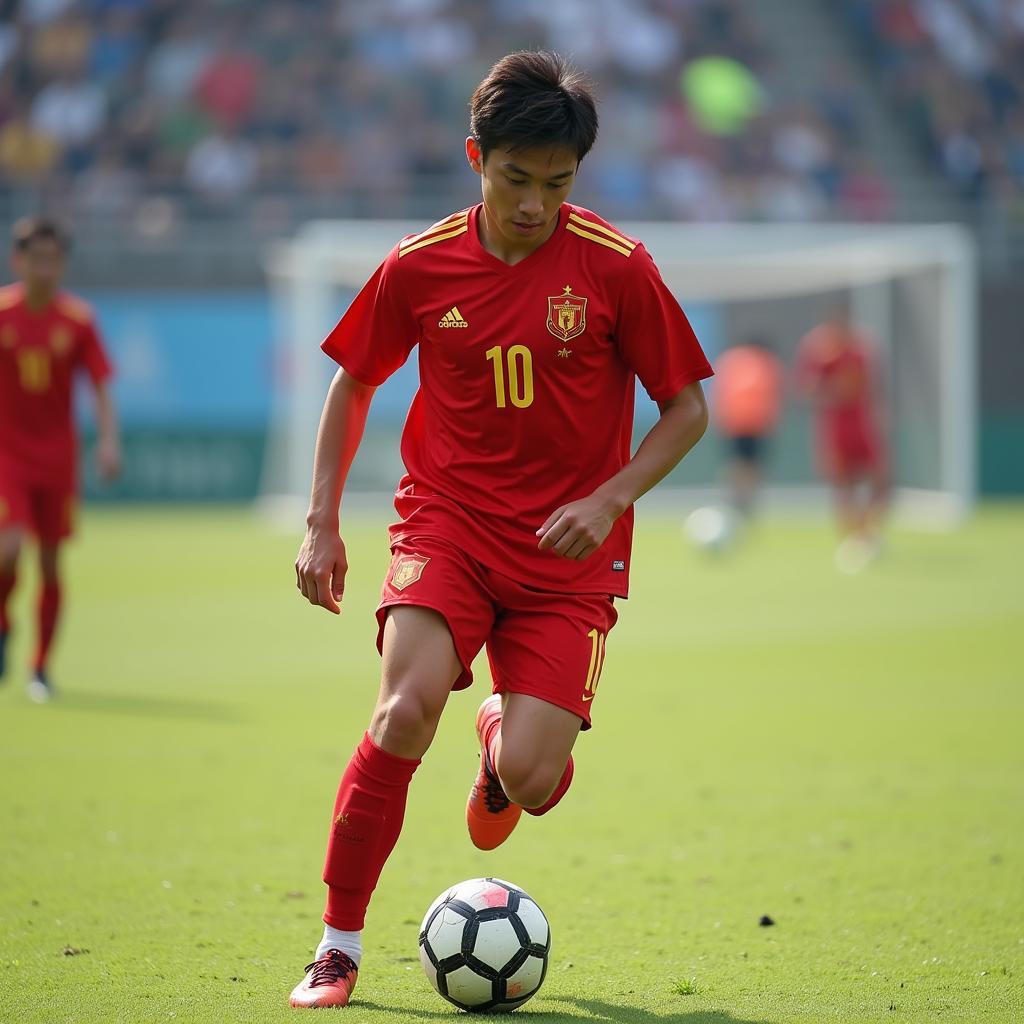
<point x="40" y="266"/>
<point x="523" y="190"/>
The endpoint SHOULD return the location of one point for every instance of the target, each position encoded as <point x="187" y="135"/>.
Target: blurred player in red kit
<point x="46" y="337"/>
<point x="532" y="319"/>
<point x="836" y="369"/>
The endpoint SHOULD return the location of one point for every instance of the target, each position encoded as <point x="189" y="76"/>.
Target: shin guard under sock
<point x="367" y="821"/>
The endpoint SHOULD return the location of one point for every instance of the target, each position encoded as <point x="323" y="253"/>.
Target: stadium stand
<point x="155" y="125"/>
<point x="955" y="70"/>
<point x="105" y="103"/>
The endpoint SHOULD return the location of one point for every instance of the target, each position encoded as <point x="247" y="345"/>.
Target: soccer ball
<point x="484" y="945"/>
<point x="711" y="528"/>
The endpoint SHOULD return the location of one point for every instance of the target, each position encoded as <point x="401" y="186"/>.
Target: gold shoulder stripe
<point x="74" y="309"/>
<point x="414" y="245"/>
<point x="600" y="241"/>
<point x="457" y="221"/>
<point x="591" y="225"/>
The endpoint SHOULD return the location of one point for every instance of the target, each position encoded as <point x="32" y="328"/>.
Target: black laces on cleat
<point x="494" y="796"/>
<point x="331" y="967"/>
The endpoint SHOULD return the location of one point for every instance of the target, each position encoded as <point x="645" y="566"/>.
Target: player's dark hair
<point x="31" y="229"/>
<point x="533" y="99"/>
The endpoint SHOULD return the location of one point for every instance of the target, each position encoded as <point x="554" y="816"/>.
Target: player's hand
<point x="108" y="459"/>
<point x="578" y="529"/>
<point x="320" y="568"/>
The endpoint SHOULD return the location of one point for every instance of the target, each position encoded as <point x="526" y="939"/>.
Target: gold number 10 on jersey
<point x="34" y="370"/>
<point x="520" y="376"/>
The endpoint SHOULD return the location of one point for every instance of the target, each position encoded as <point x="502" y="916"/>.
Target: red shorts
<point x="849" y="462"/>
<point x="852" y="451"/>
<point x="45" y="509"/>
<point x="541" y="643"/>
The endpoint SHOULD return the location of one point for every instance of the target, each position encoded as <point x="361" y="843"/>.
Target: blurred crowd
<point x="956" y="70"/>
<point x="252" y="105"/>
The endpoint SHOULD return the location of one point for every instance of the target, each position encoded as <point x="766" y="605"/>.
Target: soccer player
<point x="46" y="337"/>
<point x="836" y="370"/>
<point x="746" y="407"/>
<point x="532" y="318"/>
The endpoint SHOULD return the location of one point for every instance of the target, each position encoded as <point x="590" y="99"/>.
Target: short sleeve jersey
<point x="41" y="351"/>
<point x="526" y="384"/>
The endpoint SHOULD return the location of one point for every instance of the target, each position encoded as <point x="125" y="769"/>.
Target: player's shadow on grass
<point x="590" y="1009"/>
<point x="635" y="1015"/>
<point x="148" y="707"/>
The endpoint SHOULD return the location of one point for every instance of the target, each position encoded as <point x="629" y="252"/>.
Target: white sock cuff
<point x="349" y="943"/>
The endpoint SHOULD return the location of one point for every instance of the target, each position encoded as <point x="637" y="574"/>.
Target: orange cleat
<point x="490" y="815"/>
<point x="328" y="982"/>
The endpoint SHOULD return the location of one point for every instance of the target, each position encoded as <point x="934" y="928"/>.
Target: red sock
<point x="368" y="815"/>
<point x="560" y="790"/>
<point x="7" y="581"/>
<point x="48" y="610"/>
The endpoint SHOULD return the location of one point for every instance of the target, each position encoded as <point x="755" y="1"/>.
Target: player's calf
<point x="532" y="783"/>
<point x="555" y="795"/>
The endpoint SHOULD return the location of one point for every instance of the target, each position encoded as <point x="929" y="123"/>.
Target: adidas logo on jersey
<point x="453" y="318"/>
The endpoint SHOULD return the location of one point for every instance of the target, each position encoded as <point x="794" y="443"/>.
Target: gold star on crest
<point x="564" y="353"/>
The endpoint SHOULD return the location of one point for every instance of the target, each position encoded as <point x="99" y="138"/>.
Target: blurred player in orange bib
<point x="531" y="318"/>
<point x="47" y="337"/>
<point x="746" y="408"/>
<point x="836" y="369"/>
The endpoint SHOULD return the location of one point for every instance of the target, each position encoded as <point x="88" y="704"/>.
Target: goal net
<point x="911" y="288"/>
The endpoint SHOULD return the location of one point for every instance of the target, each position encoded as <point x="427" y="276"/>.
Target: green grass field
<point x="845" y="755"/>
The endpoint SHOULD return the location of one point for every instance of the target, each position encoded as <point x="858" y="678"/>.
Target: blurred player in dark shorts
<point x="747" y="402"/>
<point x="47" y="337"/>
<point x="836" y="369"/>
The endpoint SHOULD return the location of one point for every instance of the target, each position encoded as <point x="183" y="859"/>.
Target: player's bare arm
<point x="578" y="529"/>
<point x="108" y="447"/>
<point x="321" y="564"/>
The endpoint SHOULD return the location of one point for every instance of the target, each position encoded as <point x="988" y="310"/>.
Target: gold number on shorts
<point x="596" y="663"/>
<point x="520" y="376"/>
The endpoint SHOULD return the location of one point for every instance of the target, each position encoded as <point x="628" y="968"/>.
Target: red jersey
<point x="526" y="384"/>
<point x="40" y="352"/>
<point x="836" y="366"/>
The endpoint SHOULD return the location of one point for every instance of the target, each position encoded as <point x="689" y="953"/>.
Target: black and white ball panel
<point x="484" y="945"/>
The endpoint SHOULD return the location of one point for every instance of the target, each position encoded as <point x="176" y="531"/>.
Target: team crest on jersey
<point x="60" y="340"/>
<point x="408" y="570"/>
<point x="567" y="315"/>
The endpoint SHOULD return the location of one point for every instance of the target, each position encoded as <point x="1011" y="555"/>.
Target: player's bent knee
<point x="404" y="722"/>
<point x="528" y="785"/>
<point x="530" y="793"/>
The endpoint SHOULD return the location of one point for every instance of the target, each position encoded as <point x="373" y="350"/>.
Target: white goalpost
<point x="913" y="288"/>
